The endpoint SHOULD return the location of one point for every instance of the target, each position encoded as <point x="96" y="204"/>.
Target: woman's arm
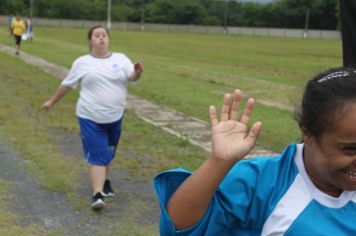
<point x="60" y="92"/>
<point x="231" y="142"/>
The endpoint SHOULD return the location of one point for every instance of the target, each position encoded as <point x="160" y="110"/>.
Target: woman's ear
<point x="307" y="137"/>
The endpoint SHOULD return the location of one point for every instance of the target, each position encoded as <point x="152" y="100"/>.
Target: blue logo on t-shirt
<point x="115" y="67"/>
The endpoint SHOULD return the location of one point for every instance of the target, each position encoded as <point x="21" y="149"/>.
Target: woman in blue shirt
<point x="308" y="189"/>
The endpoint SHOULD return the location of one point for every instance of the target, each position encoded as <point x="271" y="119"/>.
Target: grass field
<point x="189" y="72"/>
<point x="144" y="150"/>
<point x="185" y="72"/>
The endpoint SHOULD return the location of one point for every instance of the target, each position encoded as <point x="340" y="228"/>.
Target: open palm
<point x="232" y="140"/>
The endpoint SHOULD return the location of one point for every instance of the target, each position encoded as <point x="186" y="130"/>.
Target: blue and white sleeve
<point x="214" y="220"/>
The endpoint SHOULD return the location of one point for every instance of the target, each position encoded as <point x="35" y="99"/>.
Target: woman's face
<point x="331" y="161"/>
<point x="99" y="39"/>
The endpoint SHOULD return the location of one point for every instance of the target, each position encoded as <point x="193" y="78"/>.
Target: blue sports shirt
<point x="264" y="196"/>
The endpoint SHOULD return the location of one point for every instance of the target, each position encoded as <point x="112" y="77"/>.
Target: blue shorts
<point x="99" y="141"/>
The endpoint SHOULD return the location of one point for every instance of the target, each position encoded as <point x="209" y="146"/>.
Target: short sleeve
<point x="128" y="66"/>
<point x="75" y="74"/>
<point x="216" y="219"/>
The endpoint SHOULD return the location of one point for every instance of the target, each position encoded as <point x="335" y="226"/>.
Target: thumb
<point x="254" y="132"/>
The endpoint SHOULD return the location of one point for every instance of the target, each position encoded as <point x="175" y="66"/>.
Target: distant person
<point x="348" y="31"/>
<point x="309" y="189"/>
<point x="102" y="76"/>
<point x="17" y="29"/>
<point x="10" y="19"/>
<point x="29" y="28"/>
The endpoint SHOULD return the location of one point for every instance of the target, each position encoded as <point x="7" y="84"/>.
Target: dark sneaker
<point x="97" y="201"/>
<point x="107" y="189"/>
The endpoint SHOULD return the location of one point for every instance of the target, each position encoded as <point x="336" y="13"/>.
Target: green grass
<point x="129" y="225"/>
<point x="186" y="72"/>
<point x="147" y="150"/>
<point x="129" y="228"/>
<point x="189" y="72"/>
<point x="27" y="127"/>
<point x="144" y="149"/>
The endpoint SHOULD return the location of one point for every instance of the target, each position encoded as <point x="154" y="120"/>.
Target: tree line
<point x="315" y="14"/>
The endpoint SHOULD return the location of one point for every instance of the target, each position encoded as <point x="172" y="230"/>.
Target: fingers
<point x="245" y="118"/>
<point x="46" y="106"/>
<point x="235" y="105"/>
<point x="230" y="109"/>
<point x="213" y="119"/>
<point x="138" y="67"/>
<point x="225" y="109"/>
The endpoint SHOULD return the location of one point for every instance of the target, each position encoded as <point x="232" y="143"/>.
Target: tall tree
<point x="12" y="7"/>
<point x="176" y="12"/>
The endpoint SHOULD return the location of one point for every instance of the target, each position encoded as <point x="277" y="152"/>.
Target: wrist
<point x="221" y="164"/>
<point x="211" y="173"/>
<point x="51" y="101"/>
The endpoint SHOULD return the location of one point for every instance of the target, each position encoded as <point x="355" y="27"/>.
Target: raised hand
<point x="138" y="68"/>
<point x="231" y="139"/>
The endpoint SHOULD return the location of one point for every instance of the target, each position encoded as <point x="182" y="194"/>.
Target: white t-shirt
<point x="103" y="83"/>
